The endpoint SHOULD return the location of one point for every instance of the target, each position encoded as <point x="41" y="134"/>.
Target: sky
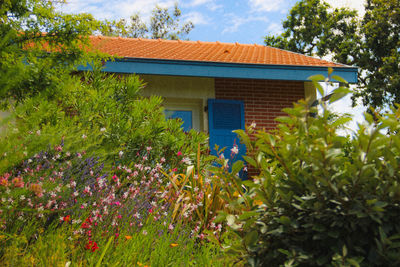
<point x="242" y="21"/>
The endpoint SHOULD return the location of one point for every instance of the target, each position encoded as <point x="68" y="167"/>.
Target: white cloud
<point x="114" y="9"/>
<point x="274" y="28"/>
<point x="197" y="18"/>
<point x="266" y="5"/>
<point x="235" y="22"/>
<point x="210" y="4"/>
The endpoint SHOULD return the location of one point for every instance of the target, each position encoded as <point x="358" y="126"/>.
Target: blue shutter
<point x="224" y="116"/>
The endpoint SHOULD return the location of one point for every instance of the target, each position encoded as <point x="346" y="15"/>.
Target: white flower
<point x="235" y="150"/>
<point x="38" y="132"/>
<point x="103" y="129"/>
<point x="29" y="160"/>
<point x="120" y="154"/>
<point x="187" y="161"/>
<point x="84" y="136"/>
<point x="22" y="197"/>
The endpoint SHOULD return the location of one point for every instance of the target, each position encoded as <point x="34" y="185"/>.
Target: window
<point x="185" y="115"/>
<point x="190" y="111"/>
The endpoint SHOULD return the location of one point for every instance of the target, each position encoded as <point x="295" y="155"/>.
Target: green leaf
<point x="285" y="220"/>
<point x="237" y="167"/>
<point x="339" y="79"/>
<point x="98" y="264"/>
<point x="250" y="160"/>
<point x="251" y="238"/>
<point x="341" y="121"/>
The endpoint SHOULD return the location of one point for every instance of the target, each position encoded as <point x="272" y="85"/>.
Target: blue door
<point x="224" y="116"/>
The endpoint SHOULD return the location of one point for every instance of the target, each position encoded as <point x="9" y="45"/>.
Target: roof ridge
<point x="172" y="41"/>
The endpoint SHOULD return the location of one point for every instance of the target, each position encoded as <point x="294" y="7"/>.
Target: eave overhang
<point x="222" y="70"/>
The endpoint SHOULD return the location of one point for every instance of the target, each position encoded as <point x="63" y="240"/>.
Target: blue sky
<point x="242" y="21"/>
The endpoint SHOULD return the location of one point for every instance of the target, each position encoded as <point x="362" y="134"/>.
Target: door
<point x="224" y="116"/>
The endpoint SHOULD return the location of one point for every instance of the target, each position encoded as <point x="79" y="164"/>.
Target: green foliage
<point x="100" y="114"/>
<point x="162" y="25"/>
<point x="26" y="67"/>
<point x="153" y="246"/>
<point x="323" y="199"/>
<point x="371" y="43"/>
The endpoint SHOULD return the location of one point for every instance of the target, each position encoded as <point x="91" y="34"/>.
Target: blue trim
<point x="222" y="70"/>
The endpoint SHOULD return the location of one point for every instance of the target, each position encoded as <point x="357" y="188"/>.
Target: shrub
<point x="327" y="200"/>
<point x="100" y="114"/>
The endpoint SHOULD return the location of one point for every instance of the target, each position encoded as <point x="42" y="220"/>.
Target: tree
<point x="371" y="43"/>
<point x="29" y="30"/>
<point x="162" y="25"/>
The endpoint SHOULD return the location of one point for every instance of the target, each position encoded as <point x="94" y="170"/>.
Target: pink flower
<point x="179" y="154"/>
<point x="3" y="181"/>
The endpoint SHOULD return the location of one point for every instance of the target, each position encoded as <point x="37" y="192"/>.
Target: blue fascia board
<point x="222" y="70"/>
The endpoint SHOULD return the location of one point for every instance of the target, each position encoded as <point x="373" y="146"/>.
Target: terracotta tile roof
<point x="203" y="51"/>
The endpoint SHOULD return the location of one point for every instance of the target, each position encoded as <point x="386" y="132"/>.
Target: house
<point x="219" y="87"/>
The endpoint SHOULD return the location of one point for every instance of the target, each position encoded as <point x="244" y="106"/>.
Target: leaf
<point x="285" y="220"/>
<point x="339" y="93"/>
<point x="341" y="121"/>
<point x="250" y="160"/>
<point x="230" y="219"/>
<point x="237" y="166"/>
<point x="251" y="238"/>
<point x="98" y="264"/>
<point x="339" y="79"/>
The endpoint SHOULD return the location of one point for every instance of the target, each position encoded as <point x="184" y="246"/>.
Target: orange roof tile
<point x="203" y="51"/>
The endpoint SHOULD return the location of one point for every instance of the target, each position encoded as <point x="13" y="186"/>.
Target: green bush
<point x="323" y="199"/>
<point x="100" y="114"/>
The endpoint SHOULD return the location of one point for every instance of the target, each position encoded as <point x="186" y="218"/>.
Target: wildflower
<point x="144" y="232"/>
<point x="3" y="181"/>
<point x="38" y="132"/>
<point x="172" y="245"/>
<point x="37" y="189"/>
<point x="84" y="136"/>
<point x="258" y="202"/>
<point x="66" y="218"/>
<point x="22" y="197"/>
<point x="128" y="237"/>
<point x="102" y="129"/>
<point x="170" y="227"/>
<point x="58" y="148"/>
<point x="148" y="148"/>
<point x="92" y="246"/>
<point x="120" y="154"/>
<point x="235" y="150"/>
<point x="187" y="161"/>
<point x="179" y="154"/>
<point x="162" y="160"/>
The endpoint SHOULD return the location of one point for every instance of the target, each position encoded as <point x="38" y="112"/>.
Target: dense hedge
<point x="323" y="199"/>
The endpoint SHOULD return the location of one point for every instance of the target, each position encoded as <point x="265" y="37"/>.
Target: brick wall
<point x="263" y="99"/>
